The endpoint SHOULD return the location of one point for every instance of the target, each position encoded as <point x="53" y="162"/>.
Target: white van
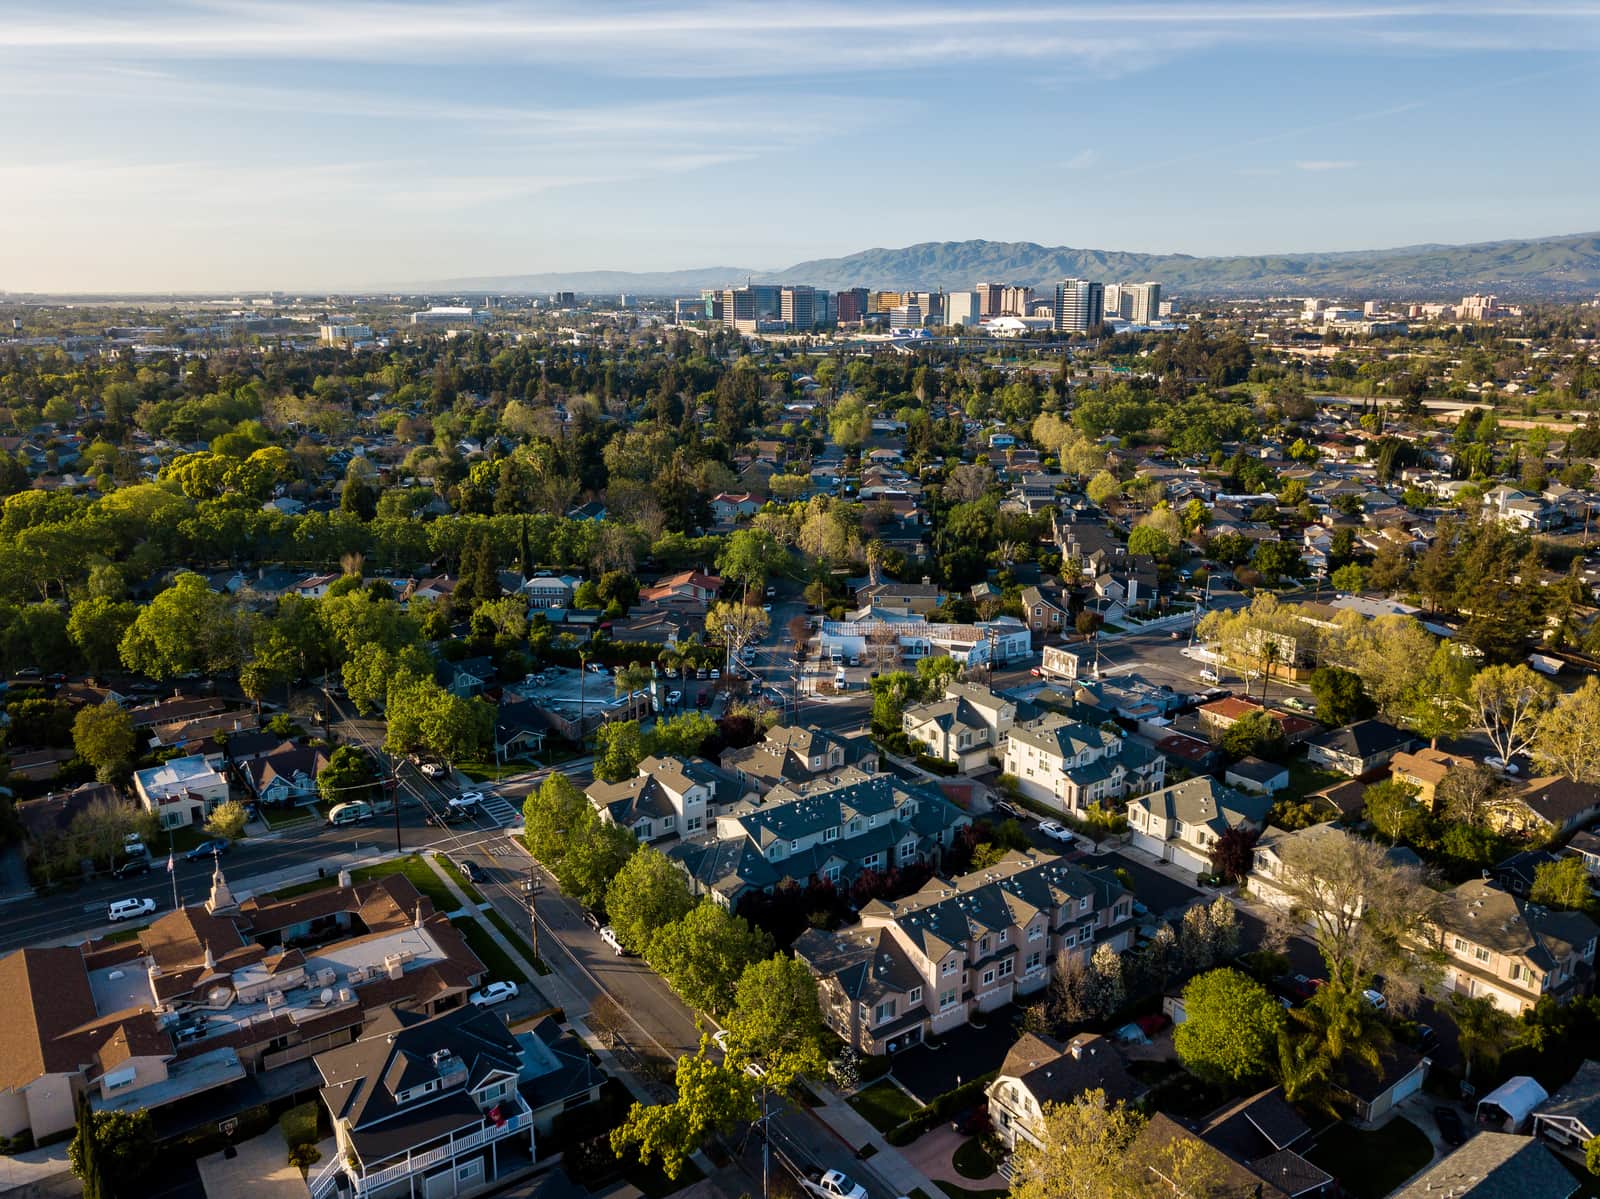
<point x="349" y="813"/>
<point x="839" y="679"/>
<point x="1207" y="675"/>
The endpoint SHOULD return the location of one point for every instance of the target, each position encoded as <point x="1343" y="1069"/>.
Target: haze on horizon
<point x="228" y="145"/>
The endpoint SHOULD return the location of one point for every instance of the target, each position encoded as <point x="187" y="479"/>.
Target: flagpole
<point x="172" y="871"/>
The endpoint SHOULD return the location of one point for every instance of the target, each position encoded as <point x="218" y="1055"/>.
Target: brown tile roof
<point x="47" y="995"/>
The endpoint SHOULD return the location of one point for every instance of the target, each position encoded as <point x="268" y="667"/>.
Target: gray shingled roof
<point x="1494" y="1165"/>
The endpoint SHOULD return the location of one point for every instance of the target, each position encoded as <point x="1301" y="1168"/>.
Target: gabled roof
<point x="1494" y="1165"/>
<point x="1578" y="1101"/>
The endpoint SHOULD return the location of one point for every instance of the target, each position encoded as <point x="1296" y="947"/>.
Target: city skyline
<point x="206" y="146"/>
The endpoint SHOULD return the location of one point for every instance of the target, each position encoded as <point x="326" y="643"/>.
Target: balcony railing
<point x="325" y="1182"/>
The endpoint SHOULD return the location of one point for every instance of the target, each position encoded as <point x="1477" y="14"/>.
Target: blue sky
<point x="251" y="144"/>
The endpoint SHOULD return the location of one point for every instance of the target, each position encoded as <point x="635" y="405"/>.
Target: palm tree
<point x="1344" y="1024"/>
<point x="1484" y="1031"/>
<point x="631" y="679"/>
<point x="1303" y="1070"/>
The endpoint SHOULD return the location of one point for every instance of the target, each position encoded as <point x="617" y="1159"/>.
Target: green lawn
<point x="1370" y="1165"/>
<point x="419" y="872"/>
<point x="484" y="772"/>
<point x="884" y="1105"/>
<point x="287" y="817"/>
<point x="459" y="879"/>
<point x="972" y="1160"/>
<point x="1305" y="778"/>
<point x="299" y="1125"/>
<point x="500" y="963"/>
<point x="520" y="940"/>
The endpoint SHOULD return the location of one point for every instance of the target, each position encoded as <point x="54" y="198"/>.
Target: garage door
<point x="1151" y="845"/>
<point x="1409" y="1085"/>
<point x="1190" y="861"/>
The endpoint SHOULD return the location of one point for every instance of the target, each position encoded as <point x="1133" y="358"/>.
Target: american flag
<point x="170" y="864"/>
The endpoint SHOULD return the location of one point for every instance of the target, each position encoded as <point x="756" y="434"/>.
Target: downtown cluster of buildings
<point x="1075" y="306"/>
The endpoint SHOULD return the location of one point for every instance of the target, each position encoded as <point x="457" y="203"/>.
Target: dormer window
<point x="830" y="834"/>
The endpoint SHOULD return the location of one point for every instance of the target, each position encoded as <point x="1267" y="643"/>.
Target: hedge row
<point x="945" y="1106"/>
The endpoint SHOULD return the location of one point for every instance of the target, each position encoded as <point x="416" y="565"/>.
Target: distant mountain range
<point x="1548" y="266"/>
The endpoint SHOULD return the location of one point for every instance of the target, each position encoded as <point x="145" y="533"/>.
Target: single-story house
<point x="1359" y="748"/>
<point x="1254" y="774"/>
<point x="1494" y="1165"/>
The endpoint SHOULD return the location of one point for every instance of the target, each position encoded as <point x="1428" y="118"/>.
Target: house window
<point x="988" y="978"/>
<point x="914" y="995"/>
<point x="1083" y="904"/>
<point x="947" y="999"/>
<point x="1482" y="954"/>
<point x="1460" y="945"/>
<point x="794" y="847"/>
<point x="1034" y="961"/>
<point x="983" y="945"/>
<point x="1006" y="967"/>
<point x="1035" y="932"/>
<point x="885" y="1011"/>
<point x="1005" y="935"/>
<point x="830" y="834"/>
<point x="949" y="966"/>
<point x="1070" y="939"/>
<point x="693" y="824"/>
<point x="855" y="827"/>
<point x="669" y="822"/>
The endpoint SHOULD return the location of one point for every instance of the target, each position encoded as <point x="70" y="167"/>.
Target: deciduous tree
<point x="1230" y="1030"/>
<point x="647" y="894"/>
<point x="103" y="736"/>
<point x="1086" y="1152"/>
<point x="1510" y="702"/>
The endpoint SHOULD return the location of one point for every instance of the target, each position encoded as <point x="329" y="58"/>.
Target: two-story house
<point x="1045" y="612"/>
<point x="286" y="776"/>
<point x="1182" y="823"/>
<point x="903" y="598"/>
<point x="425" y="1105"/>
<point x="1039" y="1070"/>
<point x="550" y="591"/>
<point x="966" y="727"/>
<point x="1424" y="769"/>
<point x="923" y="965"/>
<point x="832" y="829"/>
<point x="1069" y="765"/>
<point x="1501" y="946"/>
<point x="669" y="797"/>
<point x="794" y="753"/>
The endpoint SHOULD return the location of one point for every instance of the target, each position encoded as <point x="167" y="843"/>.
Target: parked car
<point x="674" y="698"/>
<point x="496" y="992"/>
<point x="129" y="909"/>
<point x="1207" y="675"/>
<point x="1451" y="1129"/>
<point x="716" y="674"/>
<point x="474" y="872"/>
<point x="1502" y="765"/>
<point x="1008" y="811"/>
<point x="134" y="866"/>
<point x="836" y="1184"/>
<point x="467" y="802"/>
<point x="609" y="936"/>
<point x="591" y="919"/>
<point x="133" y="844"/>
<point x="1376" y="999"/>
<point x="206" y="848"/>
<point x="433" y="770"/>
<point x="772" y="593"/>
<point x="1056" y="831"/>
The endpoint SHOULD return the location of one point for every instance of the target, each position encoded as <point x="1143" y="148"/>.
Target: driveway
<point x="259" y="1170"/>
<point x="961" y="1055"/>
<point x="1161" y="893"/>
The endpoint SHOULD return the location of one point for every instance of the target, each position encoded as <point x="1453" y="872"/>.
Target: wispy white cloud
<point x="1325" y="164"/>
<point x="730" y="40"/>
<point x="1082" y="160"/>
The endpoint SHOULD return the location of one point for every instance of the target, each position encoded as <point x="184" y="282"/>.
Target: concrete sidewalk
<point x="889" y="1163"/>
<point x="27" y="1173"/>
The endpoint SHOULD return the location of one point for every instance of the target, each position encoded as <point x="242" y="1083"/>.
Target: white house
<point x="1069" y="765"/>
<point x="182" y="791"/>
<point x="1181" y="823"/>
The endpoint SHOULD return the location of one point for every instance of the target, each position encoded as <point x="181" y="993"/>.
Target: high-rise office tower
<point x="1145" y="302"/>
<point x="798" y="307"/>
<point x="1080" y="305"/>
<point x="989" y="297"/>
<point x="961" y="308"/>
<point x="851" y="306"/>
